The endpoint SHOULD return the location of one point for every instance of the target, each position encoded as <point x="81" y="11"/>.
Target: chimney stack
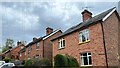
<point x="49" y="30"/>
<point x="86" y="15"/>
<point x="34" y="38"/>
<point x="19" y="42"/>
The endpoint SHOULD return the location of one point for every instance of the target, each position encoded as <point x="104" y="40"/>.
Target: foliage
<point x="72" y="62"/>
<point x="23" y="62"/>
<point x="8" y="43"/>
<point x="6" y="59"/>
<point x="45" y="62"/>
<point x="38" y="63"/>
<point x="61" y="61"/>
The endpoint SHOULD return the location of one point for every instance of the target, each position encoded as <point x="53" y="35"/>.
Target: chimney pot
<point x="86" y="15"/>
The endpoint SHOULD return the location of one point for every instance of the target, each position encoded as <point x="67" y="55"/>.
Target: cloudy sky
<point x="25" y="20"/>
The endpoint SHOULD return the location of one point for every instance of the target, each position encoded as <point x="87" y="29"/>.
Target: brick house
<point x="40" y="47"/>
<point x="93" y="42"/>
<point x="13" y="53"/>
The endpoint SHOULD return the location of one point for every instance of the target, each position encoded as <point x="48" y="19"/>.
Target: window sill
<point x="37" y="49"/>
<point x="61" y="48"/>
<point x="84" y="42"/>
<point x="85" y="66"/>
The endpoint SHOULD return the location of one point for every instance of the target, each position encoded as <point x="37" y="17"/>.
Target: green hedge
<point x="38" y="63"/>
<point x="6" y="59"/>
<point x="60" y="61"/>
<point x="65" y="61"/>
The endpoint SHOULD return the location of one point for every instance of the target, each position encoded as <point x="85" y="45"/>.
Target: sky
<point x="21" y="21"/>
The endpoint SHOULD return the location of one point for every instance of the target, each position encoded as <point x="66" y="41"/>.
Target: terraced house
<point x="13" y="52"/>
<point x="94" y="41"/>
<point x="40" y="47"/>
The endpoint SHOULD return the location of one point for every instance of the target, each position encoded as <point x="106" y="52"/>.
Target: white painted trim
<point x="51" y="34"/>
<point x="108" y="14"/>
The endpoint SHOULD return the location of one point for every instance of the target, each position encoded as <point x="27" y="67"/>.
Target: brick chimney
<point x="19" y="42"/>
<point x="49" y="30"/>
<point x="86" y="15"/>
<point x="34" y="38"/>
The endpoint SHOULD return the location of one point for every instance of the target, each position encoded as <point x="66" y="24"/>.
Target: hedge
<point x="65" y="61"/>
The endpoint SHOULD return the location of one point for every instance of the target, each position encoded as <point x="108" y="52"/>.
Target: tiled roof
<point x="86" y="23"/>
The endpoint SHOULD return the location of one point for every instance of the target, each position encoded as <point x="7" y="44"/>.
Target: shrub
<point x="32" y="62"/>
<point x="6" y="59"/>
<point x="23" y="62"/>
<point x="38" y="63"/>
<point x="60" y="61"/>
<point x="72" y="62"/>
<point x="45" y="62"/>
<point x="65" y="61"/>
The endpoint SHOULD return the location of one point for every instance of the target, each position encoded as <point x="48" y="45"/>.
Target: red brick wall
<point x="73" y="48"/>
<point x="35" y="52"/>
<point x="111" y="39"/>
<point x="48" y="46"/>
<point x="14" y="51"/>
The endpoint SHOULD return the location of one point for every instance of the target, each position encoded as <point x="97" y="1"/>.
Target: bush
<point x="6" y="59"/>
<point x="38" y="63"/>
<point x="23" y="62"/>
<point x="61" y="61"/>
<point x="45" y="62"/>
<point x="32" y="62"/>
<point x="72" y="62"/>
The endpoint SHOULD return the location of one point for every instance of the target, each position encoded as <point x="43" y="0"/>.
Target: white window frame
<point x="82" y="62"/>
<point x="84" y="33"/>
<point x="37" y="56"/>
<point x="37" y="45"/>
<point x="20" y="54"/>
<point x="61" y="43"/>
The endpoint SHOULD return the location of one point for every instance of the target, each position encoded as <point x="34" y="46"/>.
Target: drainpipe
<point x="43" y="48"/>
<point x="104" y="44"/>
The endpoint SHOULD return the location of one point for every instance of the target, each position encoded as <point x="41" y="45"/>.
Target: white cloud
<point x="23" y="19"/>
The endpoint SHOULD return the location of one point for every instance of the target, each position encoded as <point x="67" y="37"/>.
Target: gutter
<point x="104" y="44"/>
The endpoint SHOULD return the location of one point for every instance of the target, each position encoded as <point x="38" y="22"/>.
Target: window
<point x="37" y="45"/>
<point x="20" y="54"/>
<point x="29" y="49"/>
<point x="37" y="56"/>
<point x="28" y="57"/>
<point x="61" y="43"/>
<point x="84" y="36"/>
<point x="86" y="59"/>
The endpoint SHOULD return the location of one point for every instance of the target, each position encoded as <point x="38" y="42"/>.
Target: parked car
<point x="1" y="63"/>
<point x="7" y="65"/>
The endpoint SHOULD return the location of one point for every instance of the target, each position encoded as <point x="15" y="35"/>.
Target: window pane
<point x="90" y="61"/>
<point x="83" y="38"/>
<point x="89" y="53"/>
<point x="85" y="54"/>
<point x="82" y="61"/>
<point x="63" y="43"/>
<point x="80" y="37"/>
<point x="85" y="61"/>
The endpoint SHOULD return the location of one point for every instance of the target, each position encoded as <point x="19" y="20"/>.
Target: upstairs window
<point x="84" y="36"/>
<point x="29" y="49"/>
<point x="37" y="46"/>
<point x="61" y="43"/>
<point x="86" y="59"/>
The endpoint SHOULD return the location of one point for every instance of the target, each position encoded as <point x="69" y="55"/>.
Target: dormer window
<point x="61" y="43"/>
<point x="84" y="36"/>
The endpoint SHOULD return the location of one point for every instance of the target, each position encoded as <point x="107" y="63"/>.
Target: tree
<point x="8" y="44"/>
